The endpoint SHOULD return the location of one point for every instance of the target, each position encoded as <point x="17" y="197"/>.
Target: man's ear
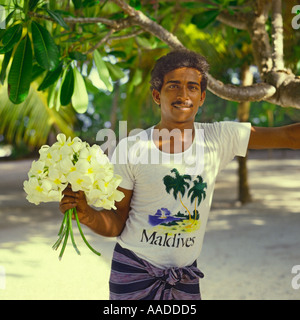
<point x="203" y="95"/>
<point x="156" y="96"/>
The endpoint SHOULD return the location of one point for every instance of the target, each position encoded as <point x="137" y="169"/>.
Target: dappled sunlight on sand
<point x="248" y="251"/>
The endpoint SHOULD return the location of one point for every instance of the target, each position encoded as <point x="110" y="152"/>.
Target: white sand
<point x="248" y="251"/>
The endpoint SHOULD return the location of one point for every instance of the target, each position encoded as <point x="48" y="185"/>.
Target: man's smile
<point x="182" y="105"/>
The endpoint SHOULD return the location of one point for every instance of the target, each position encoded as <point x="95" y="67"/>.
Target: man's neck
<point x="170" y="126"/>
<point x="173" y="138"/>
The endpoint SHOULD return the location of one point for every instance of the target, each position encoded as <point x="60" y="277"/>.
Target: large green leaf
<point x="50" y="77"/>
<point x="45" y="50"/>
<point x="67" y="88"/>
<point x="11" y="37"/>
<point x="58" y="18"/>
<point x="202" y="20"/>
<point x="4" y="66"/>
<point x="102" y="70"/>
<point x="115" y="71"/>
<point x="80" y="99"/>
<point x="19" y="76"/>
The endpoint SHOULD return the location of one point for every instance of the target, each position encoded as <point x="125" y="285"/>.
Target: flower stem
<point x="62" y="225"/>
<point x="70" y="212"/>
<point x="64" y="244"/>
<point x="59" y="240"/>
<point x="82" y="235"/>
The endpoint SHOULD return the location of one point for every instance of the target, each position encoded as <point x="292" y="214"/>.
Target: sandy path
<point x="248" y="251"/>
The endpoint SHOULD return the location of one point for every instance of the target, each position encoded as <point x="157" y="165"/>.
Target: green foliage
<point x="19" y="77"/>
<point x="75" y="70"/>
<point x="45" y="49"/>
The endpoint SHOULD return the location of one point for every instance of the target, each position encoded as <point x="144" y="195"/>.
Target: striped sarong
<point x="133" y="278"/>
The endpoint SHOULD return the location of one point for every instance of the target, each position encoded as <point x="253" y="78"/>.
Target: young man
<point x="169" y="172"/>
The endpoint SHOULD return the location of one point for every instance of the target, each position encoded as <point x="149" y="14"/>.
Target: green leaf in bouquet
<point x="11" y="37"/>
<point x="202" y="20"/>
<point x="115" y="71"/>
<point x="45" y="49"/>
<point x="102" y="70"/>
<point x="51" y="77"/>
<point x="80" y="99"/>
<point x="57" y="18"/>
<point x="67" y="88"/>
<point x="19" y="76"/>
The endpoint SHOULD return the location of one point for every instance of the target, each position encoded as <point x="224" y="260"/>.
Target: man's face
<point x="180" y="96"/>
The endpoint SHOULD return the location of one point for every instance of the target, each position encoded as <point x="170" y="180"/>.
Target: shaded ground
<point x="248" y="251"/>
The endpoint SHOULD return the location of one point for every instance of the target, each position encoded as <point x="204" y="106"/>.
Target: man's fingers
<point x="66" y="206"/>
<point x="69" y="193"/>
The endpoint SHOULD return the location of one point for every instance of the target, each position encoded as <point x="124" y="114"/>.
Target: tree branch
<point x="260" y="39"/>
<point x="115" y="24"/>
<point x="236" y="20"/>
<point x="277" y="35"/>
<point x="256" y="92"/>
<point x="150" y="26"/>
<point x="103" y="40"/>
<point x="279" y="87"/>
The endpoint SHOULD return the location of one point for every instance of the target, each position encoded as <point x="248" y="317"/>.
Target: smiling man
<point x="161" y="221"/>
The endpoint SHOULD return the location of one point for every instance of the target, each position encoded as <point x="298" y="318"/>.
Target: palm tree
<point x="197" y="192"/>
<point x="32" y="121"/>
<point x="178" y="185"/>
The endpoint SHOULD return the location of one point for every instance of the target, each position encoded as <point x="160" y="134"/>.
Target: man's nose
<point x="182" y="93"/>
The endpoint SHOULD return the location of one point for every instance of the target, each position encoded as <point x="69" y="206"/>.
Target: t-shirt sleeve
<point x="234" y="140"/>
<point x="122" y="166"/>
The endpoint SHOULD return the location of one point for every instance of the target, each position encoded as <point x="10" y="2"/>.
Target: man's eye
<point x="173" y="86"/>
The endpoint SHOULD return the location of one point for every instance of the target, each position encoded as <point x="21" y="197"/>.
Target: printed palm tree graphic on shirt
<point x="197" y="192"/>
<point x="179" y="185"/>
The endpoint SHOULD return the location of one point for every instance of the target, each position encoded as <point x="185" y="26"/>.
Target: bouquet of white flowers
<point x="83" y="166"/>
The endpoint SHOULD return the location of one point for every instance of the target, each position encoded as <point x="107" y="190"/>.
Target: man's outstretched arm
<point x="275" y="138"/>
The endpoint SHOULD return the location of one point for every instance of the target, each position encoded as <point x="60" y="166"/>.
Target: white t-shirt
<point x="162" y="226"/>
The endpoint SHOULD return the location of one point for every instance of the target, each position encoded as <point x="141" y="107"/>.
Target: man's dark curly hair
<point x="178" y="59"/>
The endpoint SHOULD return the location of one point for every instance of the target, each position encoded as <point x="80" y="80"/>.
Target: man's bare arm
<point x="275" y="138"/>
<point x="109" y="223"/>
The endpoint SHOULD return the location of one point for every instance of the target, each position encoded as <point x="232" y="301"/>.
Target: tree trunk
<point x="244" y="195"/>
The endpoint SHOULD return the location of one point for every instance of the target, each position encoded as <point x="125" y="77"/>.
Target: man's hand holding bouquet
<point x="73" y="165"/>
